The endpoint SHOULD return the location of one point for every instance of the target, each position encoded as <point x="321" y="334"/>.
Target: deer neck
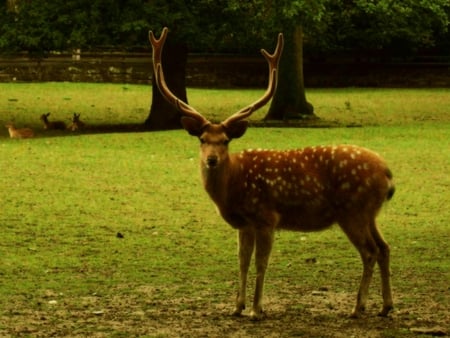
<point x="216" y="181"/>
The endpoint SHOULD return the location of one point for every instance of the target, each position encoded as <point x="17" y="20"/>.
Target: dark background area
<point x="227" y="71"/>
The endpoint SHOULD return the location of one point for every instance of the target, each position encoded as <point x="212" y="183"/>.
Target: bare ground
<point x="290" y="314"/>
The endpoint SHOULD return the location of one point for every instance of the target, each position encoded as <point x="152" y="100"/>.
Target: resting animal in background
<point x="310" y="189"/>
<point x="61" y="125"/>
<point x="76" y="124"/>
<point x="19" y="133"/>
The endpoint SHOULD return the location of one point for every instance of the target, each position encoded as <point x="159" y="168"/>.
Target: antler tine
<point x="183" y="107"/>
<point x="272" y="60"/>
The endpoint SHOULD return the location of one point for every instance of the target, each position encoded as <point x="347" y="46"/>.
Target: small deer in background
<point x="20" y="132"/>
<point x="76" y="124"/>
<point x="52" y="125"/>
<point x="310" y="189"/>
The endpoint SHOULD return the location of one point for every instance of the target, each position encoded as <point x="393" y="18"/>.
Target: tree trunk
<point x="289" y="101"/>
<point x="163" y="115"/>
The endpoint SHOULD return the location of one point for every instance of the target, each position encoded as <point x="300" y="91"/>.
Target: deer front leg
<point x="264" y="241"/>
<point x="246" y="243"/>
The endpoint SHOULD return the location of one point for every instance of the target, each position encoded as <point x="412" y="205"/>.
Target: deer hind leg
<point x="246" y="243"/>
<point x="360" y="235"/>
<point x="383" y="263"/>
<point x="264" y="242"/>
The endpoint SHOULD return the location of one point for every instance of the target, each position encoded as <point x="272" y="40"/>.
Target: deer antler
<point x="272" y="60"/>
<point x="183" y="107"/>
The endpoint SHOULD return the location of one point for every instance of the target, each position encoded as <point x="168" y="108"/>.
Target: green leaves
<point x="217" y="26"/>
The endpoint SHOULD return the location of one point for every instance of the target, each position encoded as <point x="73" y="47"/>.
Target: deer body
<point x="61" y="125"/>
<point x="260" y="191"/>
<point x="307" y="189"/>
<point x="19" y="132"/>
<point x="76" y="124"/>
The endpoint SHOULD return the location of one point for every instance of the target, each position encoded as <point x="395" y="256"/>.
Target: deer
<point x="261" y="191"/>
<point x="52" y="125"/>
<point x="76" y="124"/>
<point x="20" y="132"/>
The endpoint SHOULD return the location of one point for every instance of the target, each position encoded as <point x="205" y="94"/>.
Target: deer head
<point x="214" y="137"/>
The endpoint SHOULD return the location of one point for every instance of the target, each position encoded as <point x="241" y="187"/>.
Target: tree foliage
<point x="242" y="26"/>
<point x="386" y="24"/>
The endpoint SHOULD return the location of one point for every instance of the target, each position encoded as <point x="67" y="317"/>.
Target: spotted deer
<point x="52" y="124"/>
<point x="19" y="132"/>
<point x="310" y="189"/>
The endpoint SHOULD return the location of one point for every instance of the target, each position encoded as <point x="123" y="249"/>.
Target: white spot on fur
<point x="342" y="164"/>
<point x="345" y="186"/>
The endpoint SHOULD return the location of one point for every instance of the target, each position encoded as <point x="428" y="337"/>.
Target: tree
<point x="289" y="100"/>
<point x="163" y="115"/>
<point x="358" y="25"/>
<point x="291" y="17"/>
<point x="176" y="15"/>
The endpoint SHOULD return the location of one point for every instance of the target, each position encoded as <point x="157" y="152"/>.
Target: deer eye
<point x="226" y="142"/>
<point x="202" y="140"/>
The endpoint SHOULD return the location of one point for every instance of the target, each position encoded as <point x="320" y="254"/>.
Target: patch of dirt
<point x="312" y="314"/>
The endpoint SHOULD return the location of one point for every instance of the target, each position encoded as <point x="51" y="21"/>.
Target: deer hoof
<point x="237" y="313"/>
<point x="257" y="315"/>
<point x="385" y="311"/>
<point x="238" y="309"/>
<point x="357" y="312"/>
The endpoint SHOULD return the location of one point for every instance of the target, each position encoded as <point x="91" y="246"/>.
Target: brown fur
<point x="76" y="124"/>
<point x="61" y="125"/>
<point x="19" y="133"/>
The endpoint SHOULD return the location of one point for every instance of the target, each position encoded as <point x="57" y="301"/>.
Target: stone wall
<point x="219" y="71"/>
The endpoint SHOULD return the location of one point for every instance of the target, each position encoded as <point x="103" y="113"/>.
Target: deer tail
<point x="391" y="189"/>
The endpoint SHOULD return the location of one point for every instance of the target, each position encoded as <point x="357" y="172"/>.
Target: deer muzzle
<point x="212" y="161"/>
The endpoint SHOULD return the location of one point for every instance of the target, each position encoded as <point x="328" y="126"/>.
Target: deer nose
<point x="211" y="161"/>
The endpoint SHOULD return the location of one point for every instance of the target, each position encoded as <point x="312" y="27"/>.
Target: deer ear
<point x="236" y="129"/>
<point x="194" y="127"/>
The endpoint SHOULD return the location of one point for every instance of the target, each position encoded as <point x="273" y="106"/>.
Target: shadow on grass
<point x="141" y="128"/>
<point x="137" y="128"/>
<point x="94" y="129"/>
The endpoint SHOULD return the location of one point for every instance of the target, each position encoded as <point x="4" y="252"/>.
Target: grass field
<point x="112" y="235"/>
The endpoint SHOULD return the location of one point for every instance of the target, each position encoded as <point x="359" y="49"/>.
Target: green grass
<point x="65" y="199"/>
<point x="127" y="104"/>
